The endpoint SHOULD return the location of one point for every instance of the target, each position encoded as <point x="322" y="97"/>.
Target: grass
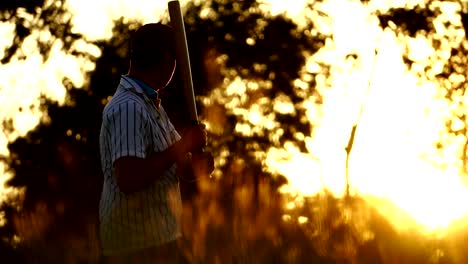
<point x="252" y="224"/>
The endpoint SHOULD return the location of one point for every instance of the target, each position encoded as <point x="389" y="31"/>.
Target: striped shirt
<point x="133" y="126"/>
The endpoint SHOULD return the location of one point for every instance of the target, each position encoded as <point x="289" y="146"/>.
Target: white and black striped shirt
<point x="133" y="126"/>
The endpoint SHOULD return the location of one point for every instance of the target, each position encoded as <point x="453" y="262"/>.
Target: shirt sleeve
<point x="175" y="136"/>
<point x="128" y="136"/>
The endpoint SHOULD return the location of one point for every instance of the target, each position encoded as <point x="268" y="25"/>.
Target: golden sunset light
<point x="398" y="108"/>
<point x="400" y="124"/>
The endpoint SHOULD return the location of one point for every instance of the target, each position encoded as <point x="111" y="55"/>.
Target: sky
<point x="400" y="121"/>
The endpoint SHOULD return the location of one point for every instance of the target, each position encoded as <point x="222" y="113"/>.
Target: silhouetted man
<point x="140" y="204"/>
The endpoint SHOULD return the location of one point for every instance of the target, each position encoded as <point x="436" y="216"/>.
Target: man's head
<point x="152" y="54"/>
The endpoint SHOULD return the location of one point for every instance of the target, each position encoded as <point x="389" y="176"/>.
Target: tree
<point x="37" y="15"/>
<point x="247" y="60"/>
<point x="451" y="78"/>
<point x="46" y="162"/>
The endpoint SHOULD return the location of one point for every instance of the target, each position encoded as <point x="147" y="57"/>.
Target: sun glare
<point x="280" y="6"/>
<point x="104" y="12"/>
<point x="398" y="128"/>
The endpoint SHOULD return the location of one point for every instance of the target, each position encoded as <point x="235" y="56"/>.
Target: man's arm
<point x="134" y="174"/>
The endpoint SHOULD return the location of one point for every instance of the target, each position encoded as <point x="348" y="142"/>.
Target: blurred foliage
<point x="33" y="16"/>
<point x="452" y="79"/>
<point x="57" y="167"/>
<point x="235" y="218"/>
<point x="237" y="42"/>
<point x="409" y="20"/>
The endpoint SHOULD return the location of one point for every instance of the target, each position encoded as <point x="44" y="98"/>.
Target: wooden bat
<point x="183" y="62"/>
<point x="182" y="57"/>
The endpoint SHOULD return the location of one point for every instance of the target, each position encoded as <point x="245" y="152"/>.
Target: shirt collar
<point x="140" y="87"/>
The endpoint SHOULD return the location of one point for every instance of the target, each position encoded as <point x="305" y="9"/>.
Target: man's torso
<point x="149" y="217"/>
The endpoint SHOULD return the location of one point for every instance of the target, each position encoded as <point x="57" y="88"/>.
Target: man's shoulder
<point x="122" y="99"/>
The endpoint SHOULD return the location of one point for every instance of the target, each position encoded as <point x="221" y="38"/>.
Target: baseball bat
<point x="182" y="57"/>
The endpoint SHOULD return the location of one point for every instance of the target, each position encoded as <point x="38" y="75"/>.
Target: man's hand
<point x="194" y="138"/>
<point x="202" y="164"/>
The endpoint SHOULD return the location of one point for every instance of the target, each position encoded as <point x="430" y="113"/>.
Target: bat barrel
<point x="182" y="57"/>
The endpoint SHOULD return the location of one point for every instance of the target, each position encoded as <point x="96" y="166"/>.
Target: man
<point x="140" y="151"/>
